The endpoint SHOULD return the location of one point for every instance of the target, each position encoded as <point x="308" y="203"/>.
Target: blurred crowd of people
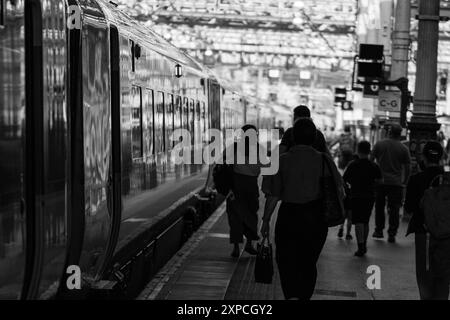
<point x="373" y="178"/>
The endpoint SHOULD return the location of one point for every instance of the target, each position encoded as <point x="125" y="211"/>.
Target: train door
<point x="33" y="142"/>
<point x="115" y="181"/>
<point x="91" y="217"/>
<point x="13" y="227"/>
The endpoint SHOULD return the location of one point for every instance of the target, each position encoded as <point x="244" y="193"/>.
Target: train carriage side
<point x="33" y="146"/>
<point x="156" y="90"/>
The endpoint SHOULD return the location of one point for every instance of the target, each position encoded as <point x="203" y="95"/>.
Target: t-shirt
<point x="392" y="156"/>
<point x="361" y="174"/>
<point x="319" y="144"/>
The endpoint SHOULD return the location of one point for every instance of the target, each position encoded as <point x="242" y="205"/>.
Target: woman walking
<point x="301" y="230"/>
<point x="243" y="201"/>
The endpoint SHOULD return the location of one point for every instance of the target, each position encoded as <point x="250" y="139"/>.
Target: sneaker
<point x="378" y="235"/>
<point x="362" y="250"/>
<point x="349" y="237"/>
<point x="391" y="239"/>
<point x="341" y="233"/>
<point x="359" y="253"/>
<point x="364" y="247"/>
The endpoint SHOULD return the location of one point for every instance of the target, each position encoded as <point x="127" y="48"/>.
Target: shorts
<point x="361" y="209"/>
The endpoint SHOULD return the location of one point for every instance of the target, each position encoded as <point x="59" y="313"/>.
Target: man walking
<point x="394" y="161"/>
<point x="288" y="138"/>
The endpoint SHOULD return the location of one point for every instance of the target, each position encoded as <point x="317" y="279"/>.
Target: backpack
<point x="436" y="207"/>
<point x="223" y="178"/>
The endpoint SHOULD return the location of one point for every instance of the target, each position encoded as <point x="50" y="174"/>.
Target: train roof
<point x="147" y="37"/>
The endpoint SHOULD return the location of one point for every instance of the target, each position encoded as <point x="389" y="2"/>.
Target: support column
<point x="424" y="125"/>
<point x="401" y="40"/>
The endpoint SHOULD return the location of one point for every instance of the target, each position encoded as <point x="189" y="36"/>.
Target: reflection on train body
<point x="12" y="94"/>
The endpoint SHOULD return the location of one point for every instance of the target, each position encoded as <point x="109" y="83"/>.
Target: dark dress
<point x="243" y="204"/>
<point x="242" y="209"/>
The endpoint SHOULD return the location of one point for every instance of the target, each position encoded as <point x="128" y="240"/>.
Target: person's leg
<point x="236" y="226"/>
<point x="357" y="205"/>
<point x="349" y="225"/>
<point x="366" y="236"/>
<point x="360" y="239"/>
<point x="251" y="221"/>
<point x="317" y="234"/>
<point x="288" y="254"/>
<point x="379" y="211"/>
<point x="394" y="195"/>
<point x="369" y="204"/>
<point x="341" y="230"/>
<point x="441" y="288"/>
<point x="422" y="273"/>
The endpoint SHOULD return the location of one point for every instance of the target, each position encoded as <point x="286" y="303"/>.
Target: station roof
<point x="256" y="32"/>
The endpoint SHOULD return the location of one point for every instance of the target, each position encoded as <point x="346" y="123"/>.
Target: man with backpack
<point x="428" y="200"/>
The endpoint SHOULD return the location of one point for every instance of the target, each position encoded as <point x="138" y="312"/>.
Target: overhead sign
<point x="389" y="101"/>
<point x="347" y="106"/>
<point x="340" y="95"/>
<point x="372" y="90"/>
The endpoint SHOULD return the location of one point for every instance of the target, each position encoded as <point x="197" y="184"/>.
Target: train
<point x="87" y="178"/>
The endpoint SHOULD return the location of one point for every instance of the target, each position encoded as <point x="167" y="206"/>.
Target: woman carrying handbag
<point x="309" y="186"/>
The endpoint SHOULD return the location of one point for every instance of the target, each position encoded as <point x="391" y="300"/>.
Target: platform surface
<point x="204" y="270"/>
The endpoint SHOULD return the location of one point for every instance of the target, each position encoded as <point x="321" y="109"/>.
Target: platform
<point x="204" y="270"/>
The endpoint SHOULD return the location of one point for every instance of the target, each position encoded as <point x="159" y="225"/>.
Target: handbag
<point x="333" y="206"/>
<point x="264" y="262"/>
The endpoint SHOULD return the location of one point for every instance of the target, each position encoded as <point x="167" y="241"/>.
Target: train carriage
<point x="88" y="174"/>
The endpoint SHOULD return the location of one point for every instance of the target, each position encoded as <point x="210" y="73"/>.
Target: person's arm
<point x="374" y="154"/>
<point x="412" y="197"/>
<point x="286" y="141"/>
<point x="269" y="208"/>
<point x="283" y="148"/>
<point x="322" y="143"/>
<point x="210" y="180"/>
<point x="348" y="174"/>
<point x="378" y="175"/>
<point x="407" y="167"/>
<point x="273" y="195"/>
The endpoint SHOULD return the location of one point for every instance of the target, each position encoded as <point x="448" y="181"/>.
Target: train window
<point x="159" y="122"/>
<point x="198" y="126"/>
<point x="192" y="120"/>
<point x="148" y="124"/>
<point x="136" y="123"/>
<point x="185" y="116"/>
<point x="133" y="68"/>
<point x="177" y="115"/>
<point x="168" y="124"/>
<point x="204" y="120"/>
